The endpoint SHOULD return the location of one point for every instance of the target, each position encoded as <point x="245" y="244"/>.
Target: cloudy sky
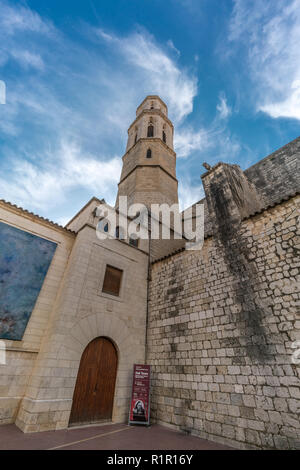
<point x="229" y="71"/>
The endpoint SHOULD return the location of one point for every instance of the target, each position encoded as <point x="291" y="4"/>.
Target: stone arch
<point x="135" y="134"/>
<point x="94" y="390"/>
<point x="164" y="132"/>
<point x="103" y="324"/>
<point x="150" y="130"/>
<point x="92" y="326"/>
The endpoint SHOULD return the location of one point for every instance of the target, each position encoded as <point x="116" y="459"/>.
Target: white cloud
<point x="39" y="173"/>
<point x="40" y="187"/>
<point x="27" y="58"/>
<point x="270" y="32"/>
<point x="13" y="20"/>
<point x="228" y="147"/>
<point x="91" y="101"/>
<point x="222" y="107"/>
<point x="156" y="72"/>
<point x="189" y="194"/>
<point x="187" y="140"/>
<point x="289" y="107"/>
<point x="172" y="46"/>
<point x="213" y="142"/>
<point x="104" y="35"/>
<point x="16" y="26"/>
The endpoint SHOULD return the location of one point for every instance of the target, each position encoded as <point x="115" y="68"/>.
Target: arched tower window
<point x="164" y="137"/>
<point x="149" y="153"/>
<point x="150" y="132"/>
<point x="136" y="134"/>
<point x="120" y="233"/>
<point x="134" y="241"/>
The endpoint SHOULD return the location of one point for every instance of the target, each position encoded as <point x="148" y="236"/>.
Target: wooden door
<point x="95" y="386"/>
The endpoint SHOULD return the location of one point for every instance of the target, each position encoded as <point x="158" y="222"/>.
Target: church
<point x="219" y="326"/>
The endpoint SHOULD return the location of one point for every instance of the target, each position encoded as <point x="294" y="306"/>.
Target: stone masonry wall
<point x="81" y="313"/>
<point x="277" y="175"/>
<point x="21" y="355"/>
<point x="221" y="327"/>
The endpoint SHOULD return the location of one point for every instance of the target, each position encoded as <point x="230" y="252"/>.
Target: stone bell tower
<point x="149" y="164"/>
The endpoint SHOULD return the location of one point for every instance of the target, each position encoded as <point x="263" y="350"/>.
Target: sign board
<point x="140" y="396"/>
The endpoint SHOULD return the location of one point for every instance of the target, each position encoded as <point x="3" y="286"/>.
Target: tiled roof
<point x="38" y="217"/>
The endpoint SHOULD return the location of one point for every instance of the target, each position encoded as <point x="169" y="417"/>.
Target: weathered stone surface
<point x="244" y="346"/>
<point x="221" y="323"/>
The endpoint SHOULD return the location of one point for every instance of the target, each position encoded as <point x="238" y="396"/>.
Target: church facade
<point x="219" y="326"/>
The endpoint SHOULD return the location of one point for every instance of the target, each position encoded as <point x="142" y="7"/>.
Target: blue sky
<point x="229" y="71"/>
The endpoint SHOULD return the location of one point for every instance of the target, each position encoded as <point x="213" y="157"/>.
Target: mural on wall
<point x="24" y="262"/>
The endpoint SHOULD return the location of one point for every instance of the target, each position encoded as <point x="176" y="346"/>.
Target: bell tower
<point x="149" y="164"/>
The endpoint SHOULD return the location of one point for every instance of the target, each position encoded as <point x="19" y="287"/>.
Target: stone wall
<point x="21" y="355"/>
<point x="38" y="379"/>
<point x="149" y="185"/>
<point x="161" y="155"/>
<point x="149" y="180"/>
<point x="81" y="313"/>
<point x="220" y="331"/>
<point x="274" y="177"/>
<point x="277" y="175"/>
<point x="139" y="127"/>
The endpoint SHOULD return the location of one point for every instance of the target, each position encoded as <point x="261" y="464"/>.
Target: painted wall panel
<point x="24" y="261"/>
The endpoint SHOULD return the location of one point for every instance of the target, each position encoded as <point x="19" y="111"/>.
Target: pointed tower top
<point x="152" y="102"/>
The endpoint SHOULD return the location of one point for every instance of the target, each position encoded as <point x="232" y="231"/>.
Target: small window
<point x="112" y="281"/>
<point x="105" y="227"/>
<point x="164" y="137"/>
<point x="120" y="233"/>
<point x="150" y="132"/>
<point x="135" y="139"/>
<point x="149" y="153"/>
<point x="134" y="241"/>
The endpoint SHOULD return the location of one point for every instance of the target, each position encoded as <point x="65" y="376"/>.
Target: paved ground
<point x="104" y="437"/>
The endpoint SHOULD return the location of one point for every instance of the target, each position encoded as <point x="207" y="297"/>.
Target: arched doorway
<point x="95" y="386"/>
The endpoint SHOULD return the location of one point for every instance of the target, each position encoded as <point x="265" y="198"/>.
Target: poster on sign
<point x="140" y="396"/>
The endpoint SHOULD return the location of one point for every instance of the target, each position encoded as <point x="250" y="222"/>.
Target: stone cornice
<point x="150" y="139"/>
<point x="148" y="166"/>
<point x="151" y="112"/>
<point x="151" y="97"/>
<point x="93" y="227"/>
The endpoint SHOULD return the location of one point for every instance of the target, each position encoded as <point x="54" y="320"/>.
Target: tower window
<point x="133" y="240"/>
<point x="135" y="139"/>
<point x="150" y="132"/>
<point x="112" y="281"/>
<point x="164" y="137"/>
<point x="120" y="233"/>
<point x="149" y="153"/>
